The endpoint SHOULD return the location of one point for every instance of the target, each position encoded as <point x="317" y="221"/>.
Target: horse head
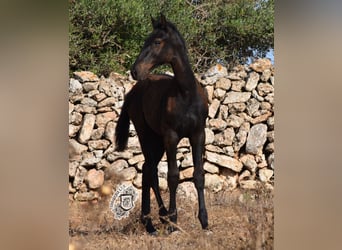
<point x="161" y="46"/>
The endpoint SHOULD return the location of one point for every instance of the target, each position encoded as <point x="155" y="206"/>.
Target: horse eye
<point x="157" y="42"/>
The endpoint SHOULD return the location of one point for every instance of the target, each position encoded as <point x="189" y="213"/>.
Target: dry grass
<point x="237" y="220"/>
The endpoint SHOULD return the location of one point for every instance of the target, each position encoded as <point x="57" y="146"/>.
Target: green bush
<point x="106" y="35"/>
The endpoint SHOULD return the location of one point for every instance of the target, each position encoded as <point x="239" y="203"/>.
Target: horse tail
<point x="122" y="128"/>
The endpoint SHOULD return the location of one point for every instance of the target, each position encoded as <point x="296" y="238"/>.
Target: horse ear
<point x="154" y="22"/>
<point x="162" y="21"/>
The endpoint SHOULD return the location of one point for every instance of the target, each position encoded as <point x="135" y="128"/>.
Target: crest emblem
<point x="123" y="200"/>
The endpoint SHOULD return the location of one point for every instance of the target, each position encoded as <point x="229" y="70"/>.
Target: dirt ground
<point x="239" y="219"/>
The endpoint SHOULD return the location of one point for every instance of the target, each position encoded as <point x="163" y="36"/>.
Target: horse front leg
<point x="170" y="142"/>
<point x="197" y="144"/>
<point x="146" y="199"/>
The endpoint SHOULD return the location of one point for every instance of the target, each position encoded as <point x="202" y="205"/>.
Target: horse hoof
<point x="154" y="233"/>
<point x="171" y="229"/>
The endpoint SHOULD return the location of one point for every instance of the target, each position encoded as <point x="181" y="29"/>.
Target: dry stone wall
<point x="239" y="132"/>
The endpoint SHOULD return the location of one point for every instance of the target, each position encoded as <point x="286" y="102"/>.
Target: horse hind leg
<point x="146" y="200"/>
<point x="153" y="151"/>
<point x="170" y="141"/>
<point x="158" y="151"/>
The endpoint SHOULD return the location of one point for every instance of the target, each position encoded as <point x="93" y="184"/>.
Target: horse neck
<point x="184" y="75"/>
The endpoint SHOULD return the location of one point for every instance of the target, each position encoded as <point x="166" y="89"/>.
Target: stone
<point x="238" y="85"/>
<point x="270" y="98"/>
<point x="75" y="149"/>
<point x="270" y="123"/>
<point x="187" y="190"/>
<point x="85" y="109"/>
<point x="234" y="76"/>
<point x="265" y="174"/>
<point x="245" y="175"/>
<point x="74" y="86"/>
<point x="270" y="161"/>
<point x="231" y="182"/>
<point x="86" y="76"/>
<point x="237" y="107"/>
<point x="266" y="74"/>
<point x="213" y="108"/>
<point x="184" y="142"/>
<point x="71" y="189"/>
<point x="86" y="196"/>
<point x="90" y="86"/>
<point x="241" y="136"/>
<point x="261" y="160"/>
<point x="209" y="136"/>
<point x="265" y="106"/>
<point x="75" y="98"/>
<point x="223" y="83"/>
<point x="75" y="118"/>
<point x="102" y="164"/>
<point x="219" y="94"/>
<point x="186" y="173"/>
<point x="135" y="159"/>
<point x="229" y="151"/>
<point x="214" y="73"/>
<point x="213" y="182"/>
<point x="94" y="178"/>
<point x="89" y="102"/>
<point x="103" y="118"/>
<point x="110" y="101"/>
<point x="99" y="97"/>
<point x="162" y="184"/>
<point x="162" y="169"/>
<point x="249" y="162"/>
<point x="93" y="93"/>
<point x="269" y="147"/>
<point x="137" y="182"/>
<point x="98" y="144"/>
<point x="87" y="128"/>
<point x="72" y="168"/>
<point x="224" y="161"/>
<point x="211" y="168"/>
<point x="232" y="97"/>
<point x="261" y="65"/>
<point x="234" y="121"/>
<point x="97" y="133"/>
<point x="98" y="153"/>
<point x="213" y="148"/>
<point x="217" y="124"/>
<point x="187" y="161"/>
<point x="257" y="96"/>
<point x="79" y="176"/>
<point x="115" y="168"/>
<point x="256" y="138"/>
<point x="264" y="89"/>
<point x="252" y="106"/>
<point x="252" y="81"/>
<point x="210" y="91"/>
<point x="248" y="184"/>
<point x="223" y="112"/>
<point x="128" y="174"/>
<point x="110" y="131"/>
<point x="89" y="159"/>
<point x="73" y="130"/>
<point x="225" y="138"/>
<point x="71" y="107"/>
<point x="104" y="110"/>
<point x="261" y="118"/>
<point x="272" y="80"/>
<point x="270" y="136"/>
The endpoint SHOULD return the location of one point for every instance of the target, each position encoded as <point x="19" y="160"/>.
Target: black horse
<point x="163" y="110"/>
